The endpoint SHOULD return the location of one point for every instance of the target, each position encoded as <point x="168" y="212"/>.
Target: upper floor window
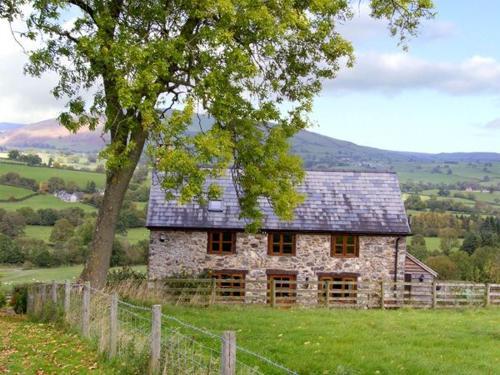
<point x="221" y="243"/>
<point x="345" y="246"/>
<point x="281" y="243"/>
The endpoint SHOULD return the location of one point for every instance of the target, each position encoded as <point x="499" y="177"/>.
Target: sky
<point x="443" y="95"/>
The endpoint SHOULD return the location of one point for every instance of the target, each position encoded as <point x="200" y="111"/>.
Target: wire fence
<point x="151" y="341"/>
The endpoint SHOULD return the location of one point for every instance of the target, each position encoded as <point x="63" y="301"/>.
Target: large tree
<point x="253" y="66"/>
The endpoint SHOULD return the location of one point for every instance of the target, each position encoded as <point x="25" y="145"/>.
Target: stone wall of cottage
<point x="177" y="252"/>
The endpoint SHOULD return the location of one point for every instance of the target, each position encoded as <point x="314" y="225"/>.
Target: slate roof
<point x="347" y="202"/>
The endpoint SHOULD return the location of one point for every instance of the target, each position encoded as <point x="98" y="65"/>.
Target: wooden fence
<point x="331" y="294"/>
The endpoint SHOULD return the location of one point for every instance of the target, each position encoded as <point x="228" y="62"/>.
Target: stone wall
<point x="185" y="252"/>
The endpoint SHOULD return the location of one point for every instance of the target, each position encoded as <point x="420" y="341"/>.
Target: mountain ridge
<point x="316" y="149"/>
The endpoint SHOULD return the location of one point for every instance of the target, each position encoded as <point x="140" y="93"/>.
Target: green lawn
<point x="44" y="201"/>
<point x="44" y="173"/>
<point x="7" y="192"/>
<point x="31" y="348"/>
<point x="362" y="341"/>
<point x="15" y="275"/>
<point x="41" y="232"/>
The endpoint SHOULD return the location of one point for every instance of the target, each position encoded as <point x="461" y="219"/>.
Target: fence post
<point x="273" y="293"/>
<point x="86" y="310"/>
<point x="434" y="294"/>
<point x="382" y="297"/>
<point x="154" y="366"/>
<point x="43" y="296"/>
<point x="67" y="298"/>
<point x="487" y="296"/>
<point x="228" y="353"/>
<point x="53" y="292"/>
<point x="30" y="301"/>
<point x="213" y="292"/>
<point x="327" y="293"/>
<point x="113" y="325"/>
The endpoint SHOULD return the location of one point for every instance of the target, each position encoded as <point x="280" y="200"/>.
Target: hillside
<point x="318" y="151"/>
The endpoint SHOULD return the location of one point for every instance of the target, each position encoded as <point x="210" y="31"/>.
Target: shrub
<point x="19" y="299"/>
<point x="9" y="251"/>
<point x="3" y="299"/>
<point x="125" y="274"/>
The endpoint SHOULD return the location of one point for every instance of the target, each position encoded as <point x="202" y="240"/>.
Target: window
<point x="215" y="206"/>
<point x="230" y="285"/>
<point x="221" y="243"/>
<point x="345" y="246"/>
<point x="285" y="285"/>
<point x="407" y="288"/>
<point x="342" y="289"/>
<point x="281" y="243"/>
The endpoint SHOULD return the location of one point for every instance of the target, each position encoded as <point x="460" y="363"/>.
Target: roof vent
<point x="215" y="206"/>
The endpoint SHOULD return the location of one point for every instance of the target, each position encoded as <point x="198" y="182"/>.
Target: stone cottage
<point x="351" y="227"/>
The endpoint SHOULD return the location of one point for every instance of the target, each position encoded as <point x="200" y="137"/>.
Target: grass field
<point x="44" y="173"/>
<point x="31" y="348"/>
<point x="44" y="201"/>
<point x="14" y="275"/>
<point x="7" y="192"/>
<point x="41" y="232"/>
<point x="362" y="341"/>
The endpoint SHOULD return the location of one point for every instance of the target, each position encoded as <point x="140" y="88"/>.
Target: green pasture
<point x="7" y="192"/>
<point x="44" y="173"/>
<point x="44" y="201"/>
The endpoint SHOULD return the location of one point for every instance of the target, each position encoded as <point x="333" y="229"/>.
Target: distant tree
<point x="9" y="251"/>
<point x="61" y="231"/>
<point x="92" y="158"/>
<point x="91" y="187"/>
<point x="31" y="159"/>
<point x="11" y="223"/>
<point x="444" y="266"/>
<point x="415" y="202"/>
<point x="74" y="215"/>
<point x="418" y="247"/>
<point x="50" y="162"/>
<point x="30" y="216"/>
<point x="449" y="240"/>
<point x="55" y="184"/>
<point x="72" y="187"/>
<point x="48" y="216"/>
<point x="14" y="154"/>
<point x="442" y="192"/>
<point x="471" y="243"/>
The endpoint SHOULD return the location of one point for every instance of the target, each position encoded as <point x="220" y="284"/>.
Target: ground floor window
<point x="340" y="289"/>
<point x="285" y="288"/>
<point x="230" y="285"/>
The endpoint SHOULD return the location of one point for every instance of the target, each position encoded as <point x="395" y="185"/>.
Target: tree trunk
<point x="97" y="265"/>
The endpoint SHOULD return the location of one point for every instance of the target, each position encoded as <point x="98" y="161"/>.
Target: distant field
<point x="43" y="174"/>
<point x="460" y="172"/>
<point x="41" y="232"/>
<point x="44" y="201"/>
<point x="433" y="243"/>
<point x="16" y="275"/>
<point x="12" y="191"/>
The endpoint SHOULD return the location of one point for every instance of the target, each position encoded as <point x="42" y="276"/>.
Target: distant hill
<point x="318" y="151"/>
<point x="49" y="134"/>
<point x="9" y="126"/>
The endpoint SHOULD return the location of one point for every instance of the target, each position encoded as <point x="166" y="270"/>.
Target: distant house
<point x="351" y="227"/>
<point x="68" y="197"/>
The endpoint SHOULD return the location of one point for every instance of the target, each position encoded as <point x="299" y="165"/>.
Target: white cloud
<point x="492" y="125"/>
<point x="362" y="27"/>
<point x="23" y="98"/>
<point x="395" y="72"/>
